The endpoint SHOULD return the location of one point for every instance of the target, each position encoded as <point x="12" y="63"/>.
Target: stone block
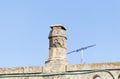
<point x="33" y="69"/>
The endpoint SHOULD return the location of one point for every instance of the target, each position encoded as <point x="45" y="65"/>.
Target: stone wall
<point x="76" y="71"/>
<point x="57" y="66"/>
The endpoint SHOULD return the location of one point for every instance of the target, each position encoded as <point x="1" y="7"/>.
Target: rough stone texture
<point x="57" y="45"/>
<point x="100" y="66"/>
<point x="57" y="63"/>
<point x="32" y="69"/>
<point x="54" y="54"/>
<point x="48" y="69"/>
<point x="11" y="70"/>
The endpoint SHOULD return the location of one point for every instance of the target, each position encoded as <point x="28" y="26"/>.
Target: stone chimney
<point x="57" y="45"/>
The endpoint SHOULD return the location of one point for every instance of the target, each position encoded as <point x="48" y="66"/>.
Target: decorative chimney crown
<point x="58" y="25"/>
<point x="57" y="44"/>
<point x="57" y="31"/>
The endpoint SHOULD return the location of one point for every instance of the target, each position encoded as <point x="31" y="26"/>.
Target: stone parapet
<point x="33" y="69"/>
<point x="93" y="66"/>
<point x="18" y="70"/>
<point x="49" y="68"/>
<point x="44" y="72"/>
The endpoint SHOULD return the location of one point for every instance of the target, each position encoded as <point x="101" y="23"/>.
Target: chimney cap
<point x="58" y="25"/>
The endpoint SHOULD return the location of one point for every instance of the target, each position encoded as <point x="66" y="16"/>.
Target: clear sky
<point x="25" y="25"/>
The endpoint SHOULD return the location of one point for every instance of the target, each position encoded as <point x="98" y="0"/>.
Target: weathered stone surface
<point x="93" y="66"/>
<point x="53" y="67"/>
<point x="11" y="70"/>
<point x="33" y="69"/>
<point x="57" y="54"/>
<point x="57" y="63"/>
<point x="57" y="45"/>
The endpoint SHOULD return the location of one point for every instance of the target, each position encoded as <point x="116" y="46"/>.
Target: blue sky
<point x="25" y="25"/>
